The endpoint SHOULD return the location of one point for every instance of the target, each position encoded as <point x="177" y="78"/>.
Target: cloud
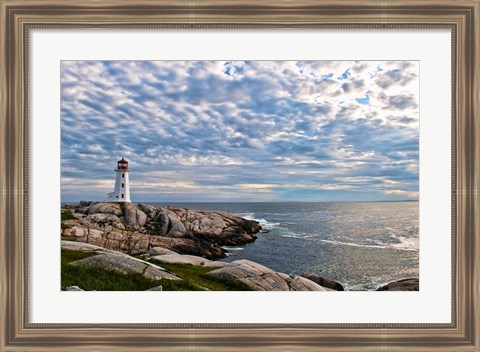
<point x="402" y="102"/>
<point x="241" y="130"/>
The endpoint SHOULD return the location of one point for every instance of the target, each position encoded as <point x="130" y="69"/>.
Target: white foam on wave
<point x="263" y="223"/>
<point x="298" y="235"/>
<point x="233" y="248"/>
<point x="405" y="244"/>
<point x="351" y="244"/>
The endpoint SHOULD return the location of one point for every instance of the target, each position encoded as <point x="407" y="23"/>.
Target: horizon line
<point x="223" y="202"/>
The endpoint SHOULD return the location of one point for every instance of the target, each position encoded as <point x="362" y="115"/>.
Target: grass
<point x="91" y="278"/>
<point x="197" y="276"/>
<point x="69" y="256"/>
<point x="67" y="215"/>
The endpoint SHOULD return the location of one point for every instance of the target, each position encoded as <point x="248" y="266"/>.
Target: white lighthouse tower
<point x="122" y="186"/>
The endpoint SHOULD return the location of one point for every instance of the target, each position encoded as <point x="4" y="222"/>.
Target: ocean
<point x="362" y="245"/>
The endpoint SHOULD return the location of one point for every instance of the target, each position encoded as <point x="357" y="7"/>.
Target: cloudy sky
<point x="241" y="131"/>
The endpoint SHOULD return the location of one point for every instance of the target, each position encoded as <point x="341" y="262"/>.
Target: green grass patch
<point x="67" y="215"/>
<point x="70" y="256"/>
<point x="90" y="278"/>
<point x="197" y="276"/>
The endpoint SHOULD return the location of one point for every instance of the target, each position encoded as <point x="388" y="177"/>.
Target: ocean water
<point x="361" y="245"/>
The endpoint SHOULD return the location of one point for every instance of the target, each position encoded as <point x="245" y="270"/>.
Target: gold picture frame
<point x="18" y="17"/>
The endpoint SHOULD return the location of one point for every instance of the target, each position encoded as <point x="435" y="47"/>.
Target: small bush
<point x="67" y="215"/>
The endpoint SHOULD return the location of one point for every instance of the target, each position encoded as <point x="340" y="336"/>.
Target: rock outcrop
<point x="245" y="273"/>
<point x="401" y="285"/>
<point x="175" y="258"/>
<point x="135" y="228"/>
<point x="323" y="281"/>
<point x="256" y="277"/>
<point x="117" y="261"/>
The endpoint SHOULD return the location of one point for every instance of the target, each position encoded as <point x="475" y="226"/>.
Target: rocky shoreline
<point x="115" y="232"/>
<point x="134" y="228"/>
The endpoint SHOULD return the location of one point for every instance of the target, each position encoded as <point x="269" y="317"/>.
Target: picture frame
<point x="18" y="17"/>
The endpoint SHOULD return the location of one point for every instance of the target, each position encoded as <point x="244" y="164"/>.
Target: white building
<point x="122" y="186"/>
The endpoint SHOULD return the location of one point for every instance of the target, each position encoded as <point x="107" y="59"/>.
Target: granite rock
<point x="323" y="281"/>
<point x="411" y="284"/>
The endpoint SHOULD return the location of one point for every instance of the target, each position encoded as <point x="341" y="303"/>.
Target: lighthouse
<point x="121" y="192"/>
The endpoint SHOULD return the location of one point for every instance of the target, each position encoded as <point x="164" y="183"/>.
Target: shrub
<point x="67" y="215"/>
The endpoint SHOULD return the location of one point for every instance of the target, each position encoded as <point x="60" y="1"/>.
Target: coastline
<point x="136" y="228"/>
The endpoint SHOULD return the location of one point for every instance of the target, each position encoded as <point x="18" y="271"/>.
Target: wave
<point x="405" y="244"/>
<point x="265" y="224"/>
<point x="354" y="244"/>
<point x="298" y="235"/>
<point x="228" y="248"/>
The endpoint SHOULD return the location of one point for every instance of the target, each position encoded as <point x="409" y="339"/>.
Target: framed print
<point x="219" y="171"/>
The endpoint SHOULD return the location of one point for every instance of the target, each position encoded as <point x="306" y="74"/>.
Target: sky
<point x="241" y="131"/>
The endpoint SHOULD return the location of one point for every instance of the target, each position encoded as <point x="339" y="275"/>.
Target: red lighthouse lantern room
<point x="122" y="164"/>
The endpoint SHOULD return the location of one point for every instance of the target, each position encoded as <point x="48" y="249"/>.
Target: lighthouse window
<point x="123" y="185"/>
<point x="123" y="175"/>
<point x="122" y="195"/>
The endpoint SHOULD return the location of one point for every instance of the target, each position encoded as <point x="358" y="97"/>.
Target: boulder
<point x="94" y="235"/>
<point x="125" y="264"/>
<point x="134" y="217"/>
<point x="299" y="283"/>
<point x="256" y="277"/>
<point x="323" y="281"/>
<point x="159" y="251"/>
<point x="75" y="231"/>
<point x="112" y="262"/>
<point x="174" y="258"/>
<point x="104" y="220"/>
<point x="156" y="288"/>
<point x="84" y="247"/>
<point x="252" y="275"/>
<point x="73" y="288"/>
<point x="411" y="284"/>
<point x="160" y="224"/>
<point x="106" y="208"/>
<point x="149" y="210"/>
<point x="177" y="229"/>
<point x="284" y="276"/>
